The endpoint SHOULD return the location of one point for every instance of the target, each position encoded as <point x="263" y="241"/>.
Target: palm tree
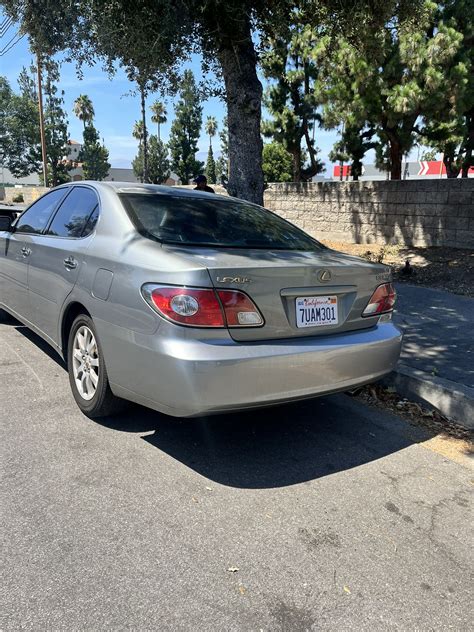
<point x="158" y="114"/>
<point x="138" y="132"/>
<point x="211" y="128"/>
<point x="83" y="109"/>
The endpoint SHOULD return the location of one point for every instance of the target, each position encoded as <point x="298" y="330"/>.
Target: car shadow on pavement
<point x="278" y="446"/>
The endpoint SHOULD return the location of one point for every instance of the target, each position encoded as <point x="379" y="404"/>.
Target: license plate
<point x="316" y="311"/>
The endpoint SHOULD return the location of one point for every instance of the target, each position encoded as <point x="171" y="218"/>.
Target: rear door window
<point x="36" y="218"/>
<point x="74" y="217"/>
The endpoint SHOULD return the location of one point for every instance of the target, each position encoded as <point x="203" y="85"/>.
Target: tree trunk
<point x="396" y="156"/>
<point x="452" y="169"/>
<point x="145" y="139"/>
<point x="244" y="109"/>
<point x="468" y="158"/>
<point x="356" y="169"/>
<point x="296" y="154"/>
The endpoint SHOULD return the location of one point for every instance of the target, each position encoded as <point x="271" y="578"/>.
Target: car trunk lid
<point x="275" y="279"/>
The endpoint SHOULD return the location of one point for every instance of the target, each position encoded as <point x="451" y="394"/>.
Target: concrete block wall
<point x="413" y="213"/>
<point x="30" y="194"/>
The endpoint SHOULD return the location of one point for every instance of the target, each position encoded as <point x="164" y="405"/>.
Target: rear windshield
<point x="195" y="221"/>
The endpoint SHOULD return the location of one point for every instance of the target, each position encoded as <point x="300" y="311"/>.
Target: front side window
<point x="73" y="218"/>
<point x="34" y="219"/>
<point x="196" y="221"/>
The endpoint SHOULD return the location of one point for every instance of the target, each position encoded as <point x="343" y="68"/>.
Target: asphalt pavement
<point x="438" y="331"/>
<point x="325" y="515"/>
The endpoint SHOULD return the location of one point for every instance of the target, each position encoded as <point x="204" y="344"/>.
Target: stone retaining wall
<point x="30" y="194"/>
<point x="414" y="213"/>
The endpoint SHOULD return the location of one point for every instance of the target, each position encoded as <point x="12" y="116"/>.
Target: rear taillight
<point x="382" y="301"/>
<point x="202" y="307"/>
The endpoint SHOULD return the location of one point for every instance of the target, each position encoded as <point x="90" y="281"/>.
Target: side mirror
<point x="5" y="223"/>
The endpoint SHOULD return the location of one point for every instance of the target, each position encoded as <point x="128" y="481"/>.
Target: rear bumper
<point x="189" y="377"/>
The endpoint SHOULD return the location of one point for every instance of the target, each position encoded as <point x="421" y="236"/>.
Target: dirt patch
<point x="449" y="269"/>
<point x="449" y="438"/>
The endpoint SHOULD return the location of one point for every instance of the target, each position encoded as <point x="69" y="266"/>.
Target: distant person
<point x="201" y="184"/>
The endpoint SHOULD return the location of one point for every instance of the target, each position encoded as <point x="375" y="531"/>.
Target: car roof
<point x="137" y="187"/>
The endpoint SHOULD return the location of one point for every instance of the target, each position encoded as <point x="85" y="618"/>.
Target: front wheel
<point x="87" y="372"/>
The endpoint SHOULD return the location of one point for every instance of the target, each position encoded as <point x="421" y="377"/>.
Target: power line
<point x="5" y="26"/>
<point x="6" y="50"/>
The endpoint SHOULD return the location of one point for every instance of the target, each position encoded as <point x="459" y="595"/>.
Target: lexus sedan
<point x="191" y="303"/>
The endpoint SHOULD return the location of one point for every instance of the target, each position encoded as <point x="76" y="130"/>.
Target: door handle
<point x="70" y="263"/>
<point x="26" y="252"/>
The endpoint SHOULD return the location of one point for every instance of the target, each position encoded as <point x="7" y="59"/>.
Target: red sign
<point x="434" y="168"/>
<point x="346" y="171"/>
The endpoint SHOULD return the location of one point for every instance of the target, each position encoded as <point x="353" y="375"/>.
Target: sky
<point x="116" y="110"/>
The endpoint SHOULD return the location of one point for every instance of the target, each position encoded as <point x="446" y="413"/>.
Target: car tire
<point x="87" y="372"/>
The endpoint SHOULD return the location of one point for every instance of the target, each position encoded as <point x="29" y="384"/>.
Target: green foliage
<point x="84" y="109"/>
<point x="19" y="128"/>
<point x="93" y="155"/>
<point x="158" y="115"/>
<point x="55" y="125"/>
<point x="18" y="198"/>
<point x="291" y="98"/>
<point x="449" y="125"/>
<point x="354" y="143"/>
<point x="158" y="161"/>
<point x="222" y="163"/>
<point x="405" y="78"/>
<point x="186" y="129"/>
<point x="277" y="163"/>
<point x="210" y="167"/>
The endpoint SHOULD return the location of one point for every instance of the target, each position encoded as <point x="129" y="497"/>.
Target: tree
<point x="211" y="167"/>
<point x="291" y="98"/>
<point x="449" y="125"/>
<point x="211" y="128"/>
<point x="211" y="131"/>
<point x="185" y="130"/>
<point x="93" y="155"/>
<point x="277" y="163"/>
<point x="19" y="127"/>
<point x="55" y="125"/>
<point x="83" y="109"/>
<point x="401" y="80"/>
<point x="158" y="115"/>
<point x="158" y="162"/>
<point x="355" y="142"/>
<point x="155" y="36"/>
<point x="222" y="163"/>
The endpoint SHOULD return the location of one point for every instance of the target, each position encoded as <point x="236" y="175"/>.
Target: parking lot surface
<point x="323" y="515"/>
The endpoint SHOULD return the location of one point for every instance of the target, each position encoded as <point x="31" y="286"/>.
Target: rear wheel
<point x="87" y="372"/>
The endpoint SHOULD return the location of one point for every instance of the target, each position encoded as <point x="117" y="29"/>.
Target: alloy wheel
<point x="85" y="362"/>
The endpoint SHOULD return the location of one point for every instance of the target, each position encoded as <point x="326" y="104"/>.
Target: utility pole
<point x="41" y="118"/>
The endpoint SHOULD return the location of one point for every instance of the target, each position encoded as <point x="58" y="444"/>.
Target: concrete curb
<point x="451" y="399"/>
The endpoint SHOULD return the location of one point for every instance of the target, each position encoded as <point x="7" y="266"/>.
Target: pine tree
<point x="55" y="125"/>
<point x="211" y="167"/>
<point x="222" y="163"/>
<point x="185" y="130"/>
<point x="93" y="155"/>
<point x="291" y="97"/>
<point x="158" y="161"/>
<point x="399" y="76"/>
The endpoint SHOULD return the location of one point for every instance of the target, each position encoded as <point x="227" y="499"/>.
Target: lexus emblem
<point x="324" y="276"/>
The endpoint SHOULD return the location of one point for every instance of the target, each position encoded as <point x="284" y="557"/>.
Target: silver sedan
<point x="191" y="303"/>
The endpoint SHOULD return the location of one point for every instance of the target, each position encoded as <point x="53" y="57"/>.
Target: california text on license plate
<point x="316" y="311"/>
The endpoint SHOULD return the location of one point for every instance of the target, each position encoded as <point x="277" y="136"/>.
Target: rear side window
<point x="34" y="219"/>
<point x="73" y="218"/>
<point x="216" y="222"/>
